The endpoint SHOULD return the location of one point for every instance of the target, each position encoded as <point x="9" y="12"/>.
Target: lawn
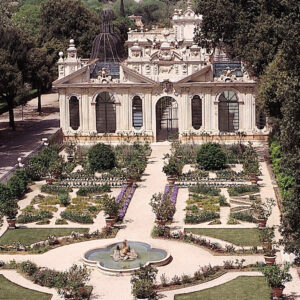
<point x="10" y="290"/>
<point x="237" y="236"/>
<point x="241" y="288"/>
<point x="28" y="236"/>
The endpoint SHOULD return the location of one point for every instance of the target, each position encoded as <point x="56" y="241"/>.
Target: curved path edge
<point x="169" y="295"/>
<point x="18" y="279"/>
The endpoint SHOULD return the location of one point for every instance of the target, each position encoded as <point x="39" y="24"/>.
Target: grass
<point x="241" y="288"/>
<point x="28" y="236"/>
<point x="10" y="290"/>
<point x="237" y="236"/>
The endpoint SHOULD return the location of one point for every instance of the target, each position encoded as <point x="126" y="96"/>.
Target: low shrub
<point x="28" y="267"/>
<point x="64" y="199"/>
<point x="211" y="156"/>
<point x="17" y="186"/>
<point x="222" y="201"/>
<point x="186" y="279"/>
<point x="243" y="217"/>
<point x="204" y="189"/>
<point x="203" y="216"/>
<point x="243" y="189"/>
<point x="38" y="215"/>
<point x="101" y="157"/>
<point x="49" y="278"/>
<point x="176" y="280"/>
<point x="84" y="191"/>
<point x="77" y="217"/>
<point x="55" y="189"/>
<point x="61" y="222"/>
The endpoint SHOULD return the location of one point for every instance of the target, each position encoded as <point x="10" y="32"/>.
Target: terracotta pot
<point x="262" y="222"/>
<point x="11" y="223"/>
<point x="161" y="222"/>
<point x="70" y="158"/>
<point x="171" y="180"/>
<point x="254" y="180"/>
<point x="49" y="181"/>
<point x="270" y="260"/>
<point x="277" y="291"/>
<point x="110" y="221"/>
<point x="129" y="181"/>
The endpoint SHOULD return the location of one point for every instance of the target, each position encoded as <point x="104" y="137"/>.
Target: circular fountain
<point x="125" y="257"/>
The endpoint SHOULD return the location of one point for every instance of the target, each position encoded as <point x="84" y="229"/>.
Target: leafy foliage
<point x="101" y="157"/>
<point x="210" y="156"/>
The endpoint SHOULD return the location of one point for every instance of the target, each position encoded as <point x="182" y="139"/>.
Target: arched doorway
<point x="228" y="112"/>
<point x="166" y="119"/>
<point x="105" y="113"/>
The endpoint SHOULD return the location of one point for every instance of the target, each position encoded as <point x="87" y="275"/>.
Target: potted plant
<point x="266" y="236"/>
<point x="70" y="150"/>
<point x="135" y="165"/>
<point x="277" y="276"/>
<point x="56" y="168"/>
<point x="142" y="282"/>
<point x="263" y="211"/>
<point x="173" y="168"/>
<point x="111" y="209"/>
<point x="163" y="208"/>
<point x="251" y="164"/>
<point x="270" y="256"/>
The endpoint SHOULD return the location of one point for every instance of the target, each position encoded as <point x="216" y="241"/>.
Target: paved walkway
<point x="30" y="131"/>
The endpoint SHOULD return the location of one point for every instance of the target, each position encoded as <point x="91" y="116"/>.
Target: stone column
<point x="92" y="114"/>
<point x="85" y="113"/>
<point x="208" y="112"/>
<point x="147" y="112"/>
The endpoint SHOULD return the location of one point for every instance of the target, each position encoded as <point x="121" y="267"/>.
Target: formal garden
<point x="213" y="197"/>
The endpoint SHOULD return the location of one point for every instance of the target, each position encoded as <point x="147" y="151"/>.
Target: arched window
<point x="196" y="112"/>
<point x="260" y="118"/>
<point x="137" y="113"/>
<point x="74" y="113"/>
<point x="228" y="112"/>
<point x="105" y="113"/>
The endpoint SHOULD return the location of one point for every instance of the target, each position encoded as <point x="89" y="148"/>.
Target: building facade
<point x="168" y="87"/>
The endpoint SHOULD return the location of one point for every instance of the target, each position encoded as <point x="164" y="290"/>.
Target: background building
<point x="167" y="87"/>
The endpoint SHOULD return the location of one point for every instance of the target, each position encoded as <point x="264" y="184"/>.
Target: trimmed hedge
<point x="76" y="217"/>
<point x="34" y="217"/>
<point x="203" y="216"/>
<point x="84" y="191"/>
<point x="55" y="189"/>
<point x="211" y="156"/>
<point x="243" y="189"/>
<point x="204" y="189"/>
<point x="243" y="217"/>
<point x="101" y="157"/>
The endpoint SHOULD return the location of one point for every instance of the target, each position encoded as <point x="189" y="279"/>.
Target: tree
<point x="65" y="19"/>
<point x="14" y="45"/>
<point x="122" y="9"/>
<point x="11" y="83"/>
<point x="39" y="71"/>
<point x="251" y="30"/>
<point x="101" y="157"/>
<point x="210" y="156"/>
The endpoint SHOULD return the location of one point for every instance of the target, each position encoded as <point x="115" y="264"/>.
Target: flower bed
<point x="125" y="202"/>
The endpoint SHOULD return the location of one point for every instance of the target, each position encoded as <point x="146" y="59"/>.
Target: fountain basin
<point x="101" y="258"/>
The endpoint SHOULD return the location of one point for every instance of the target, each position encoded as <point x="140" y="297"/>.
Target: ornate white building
<point x="167" y="86"/>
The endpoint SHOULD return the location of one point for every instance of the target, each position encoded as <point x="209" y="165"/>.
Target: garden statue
<point x="124" y="253"/>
